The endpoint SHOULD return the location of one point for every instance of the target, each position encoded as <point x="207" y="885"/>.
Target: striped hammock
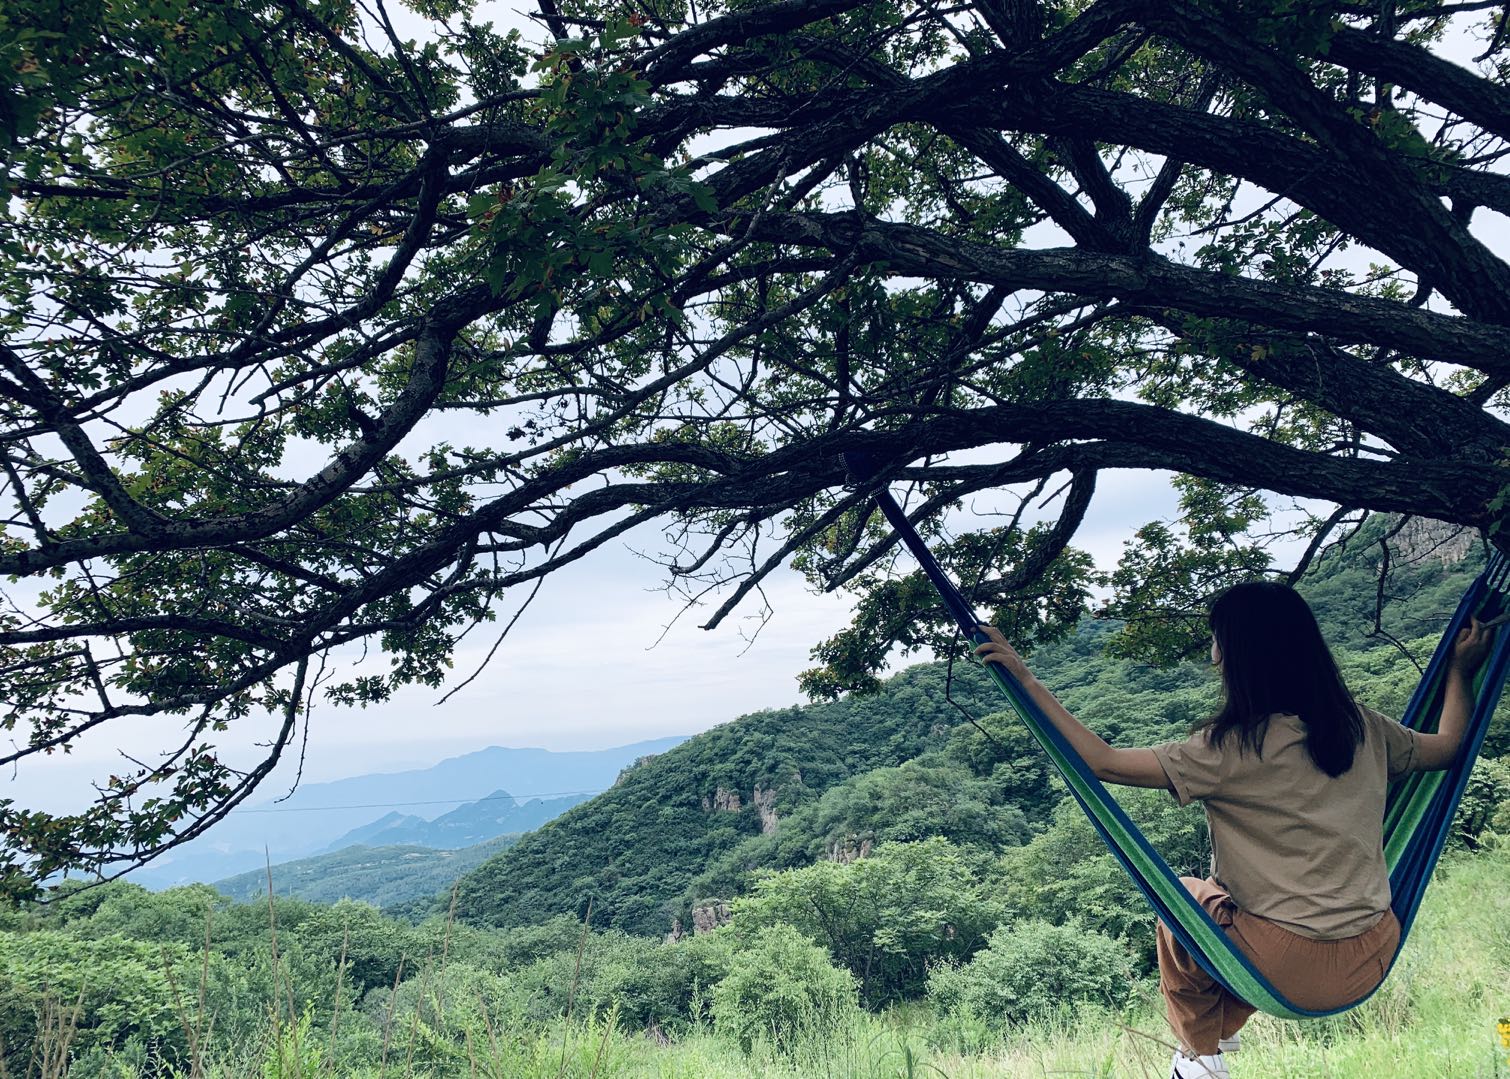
<point x="1418" y="813"/>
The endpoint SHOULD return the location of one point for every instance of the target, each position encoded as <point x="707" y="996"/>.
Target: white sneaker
<point x="1200" y="1067"/>
<point x="1229" y="1045"/>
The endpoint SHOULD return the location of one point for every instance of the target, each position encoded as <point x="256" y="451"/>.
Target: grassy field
<point x="1436" y="1018"/>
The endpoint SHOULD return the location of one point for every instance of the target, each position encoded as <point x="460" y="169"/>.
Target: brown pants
<point x="1313" y="974"/>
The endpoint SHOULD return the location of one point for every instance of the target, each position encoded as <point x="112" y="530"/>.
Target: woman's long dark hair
<point x="1274" y="660"/>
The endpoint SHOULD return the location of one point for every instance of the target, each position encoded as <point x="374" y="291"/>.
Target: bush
<point x="129" y="910"/>
<point x="783" y="991"/>
<point x="702" y="961"/>
<point x="376" y="949"/>
<point x="1485" y="808"/>
<point x="1031" y="971"/>
<point x="645" y="983"/>
<point x="1067" y="873"/>
<point x="522" y="945"/>
<point x="885" y="918"/>
<point x="88" y="996"/>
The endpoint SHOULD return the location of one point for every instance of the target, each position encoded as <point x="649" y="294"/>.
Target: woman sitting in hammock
<point x="1293" y="776"/>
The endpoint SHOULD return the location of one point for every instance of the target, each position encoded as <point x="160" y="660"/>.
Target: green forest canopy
<point x="316" y="336"/>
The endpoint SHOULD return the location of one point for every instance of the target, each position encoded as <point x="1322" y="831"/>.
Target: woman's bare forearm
<point x="1439" y="750"/>
<point x="1135" y="767"/>
<point x="1456" y="707"/>
<point x="1470" y="650"/>
<point x="1091" y="747"/>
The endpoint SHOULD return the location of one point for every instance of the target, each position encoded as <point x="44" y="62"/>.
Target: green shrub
<point x="375" y="949"/>
<point x="1067" y="873"/>
<point x="704" y="960"/>
<point x="644" y="983"/>
<point x="1033" y="970"/>
<point x="88" y="995"/>
<point x="885" y="918"/>
<point x="783" y="991"/>
<point x="1485" y="808"/>
<point x="129" y="910"/>
<point x="522" y="945"/>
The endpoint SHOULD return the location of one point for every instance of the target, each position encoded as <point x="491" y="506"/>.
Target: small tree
<point x="1034" y="970"/>
<point x="1485" y="810"/>
<point x="782" y="991"/>
<point x="1067" y="872"/>
<point x="60" y="994"/>
<point x="885" y="918"/>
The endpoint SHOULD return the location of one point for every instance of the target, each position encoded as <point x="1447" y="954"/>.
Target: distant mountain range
<point x="476" y="822"/>
<point x="318" y="816"/>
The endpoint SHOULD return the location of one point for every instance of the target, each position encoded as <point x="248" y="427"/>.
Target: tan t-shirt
<point x="1289" y="842"/>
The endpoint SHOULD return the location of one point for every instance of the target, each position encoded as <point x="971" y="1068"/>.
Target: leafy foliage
<point x="1034" y="970"/>
<point x="316" y="339"/>
<point x="886" y="918"/>
<point x="781" y="990"/>
<point x="1066" y="874"/>
<point x="646" y="983"/>
<point x="110" y="991"/>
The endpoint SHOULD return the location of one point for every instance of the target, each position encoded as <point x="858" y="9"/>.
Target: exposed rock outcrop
<point x="707" y="917"/>
<point x="765" y="802"/>
<point x="1423" y="539"/>
<point x="723" y="801"/>
<point x="850" y="848"/>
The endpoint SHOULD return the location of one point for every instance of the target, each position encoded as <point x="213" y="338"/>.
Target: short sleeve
<point x="1400" y="742"/>
<point x="1193" y="767"/>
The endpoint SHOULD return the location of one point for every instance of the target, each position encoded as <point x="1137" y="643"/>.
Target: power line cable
<point x="430" y="802"/>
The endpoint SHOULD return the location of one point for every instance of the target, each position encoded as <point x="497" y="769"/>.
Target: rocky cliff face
<point x="763" y="799"/>
<point x="1422" y="539"/>
<point x="850" y="848"/>
<point x="707" y="917"/>
<point x="765" y="802"/>
<point x="722" y="801"/>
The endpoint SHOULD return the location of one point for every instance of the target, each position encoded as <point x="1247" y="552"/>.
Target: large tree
<point x="326" y="324"/>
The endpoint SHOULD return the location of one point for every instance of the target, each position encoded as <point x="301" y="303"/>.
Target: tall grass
<point x="1434" y="1019"/>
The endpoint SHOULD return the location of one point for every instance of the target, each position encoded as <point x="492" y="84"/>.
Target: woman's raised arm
<point x="1130" y="767"/>
<point x="1439" y="750"/>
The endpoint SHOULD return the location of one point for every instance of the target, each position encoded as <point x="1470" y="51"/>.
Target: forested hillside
<point x="634" y="850"/>
<point x="384" y="876"/>
<point x="684" y="833"/>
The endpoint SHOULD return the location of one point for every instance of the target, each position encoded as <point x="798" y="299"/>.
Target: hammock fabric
<point x="1418" y="814"/>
